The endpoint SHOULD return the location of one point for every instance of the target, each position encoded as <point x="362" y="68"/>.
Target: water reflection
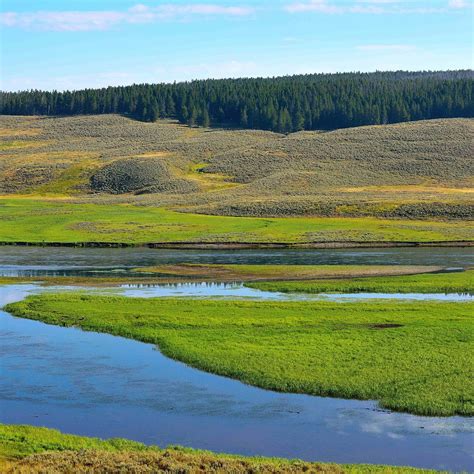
<point x="101" y="385"/>
<point x="38" y="261"/>
<point x="208" y="289"/>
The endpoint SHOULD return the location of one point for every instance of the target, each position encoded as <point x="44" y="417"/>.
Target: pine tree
<point x="192" y="119"/>
<point x="244" y="119"/>
<point x="317" y="101"/>
<point x="204" y="119"/>
<point x="154" y="113"/>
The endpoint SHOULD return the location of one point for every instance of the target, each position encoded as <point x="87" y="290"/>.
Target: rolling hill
<point x="418" y="169"/>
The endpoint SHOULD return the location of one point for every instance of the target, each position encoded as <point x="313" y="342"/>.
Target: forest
<point x="282" y="104"/>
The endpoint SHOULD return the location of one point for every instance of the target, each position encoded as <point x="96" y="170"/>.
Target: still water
<point x="238" y="290"/>
<point x="36" y="261"/>
<point x="101" y="385"/>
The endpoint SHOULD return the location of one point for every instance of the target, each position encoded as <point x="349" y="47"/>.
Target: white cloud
<point x="331" y="7"/>
<point x="459" y="4"/>
<point x="379" y="2"/>
<point x="321" y="6"/>
<point x="105" y="19"/>
<point x="386" y="47"/>
<point x="365" y="6"/>
<point x="202" y="9"/>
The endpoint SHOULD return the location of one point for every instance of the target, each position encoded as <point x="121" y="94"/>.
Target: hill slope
<point x="418" y="169"/>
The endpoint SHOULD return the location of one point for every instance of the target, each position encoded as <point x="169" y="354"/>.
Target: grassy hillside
<point x="410" y="170"/>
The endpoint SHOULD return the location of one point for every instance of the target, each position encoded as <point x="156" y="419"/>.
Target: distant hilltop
<point x="281" y="104"/>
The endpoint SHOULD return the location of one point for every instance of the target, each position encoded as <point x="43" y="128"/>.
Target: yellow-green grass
<point x="42" y="220"/>
<point x="91" y="281"/>
<point x="282" y="274"/>
<point x="19" y="144"/>
<point x="190" y="272"/>
<point x="208" y="181"/>
<point x="410" y="356"/>
<point x="28" y="449"/>
<point x="459" y="282"/>
<point x="224" y="272"/>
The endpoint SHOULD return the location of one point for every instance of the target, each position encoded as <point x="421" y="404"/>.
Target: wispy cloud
<point x="375" y="6"/>
<point x="105" y="19"/>
<point x="379" y="2"/>
<point x="386" y="47"/>
<point x="459" y="4"/>
<point x="321" y="6"/>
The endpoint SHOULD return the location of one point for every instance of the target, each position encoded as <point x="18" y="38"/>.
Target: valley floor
<point x="385" y="350"/>
<point x="78" y="222"/>
<point x="347" y="350"/>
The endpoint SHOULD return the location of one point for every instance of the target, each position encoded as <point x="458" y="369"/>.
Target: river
<point x="101" y="385"/>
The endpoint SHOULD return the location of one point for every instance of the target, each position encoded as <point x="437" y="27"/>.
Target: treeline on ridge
<point x="283" y="104"/>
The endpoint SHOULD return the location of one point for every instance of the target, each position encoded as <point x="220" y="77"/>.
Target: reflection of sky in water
<point x="238" y="290"/>
<point x="76" y="261"/>
<point x="100" y="385"/>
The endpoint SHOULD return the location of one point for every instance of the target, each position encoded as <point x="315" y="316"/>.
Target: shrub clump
<point x="135" y="175"/>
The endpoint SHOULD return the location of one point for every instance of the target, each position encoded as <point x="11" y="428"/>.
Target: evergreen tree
<point x="154" y="113"/>
<point x="204" y="119"/>
<point x="192" y="119"/>
<point x="285" y="104"/>
<point x="244" y="119"/>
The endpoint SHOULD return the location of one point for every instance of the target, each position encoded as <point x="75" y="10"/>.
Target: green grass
<point x="411" y="356"/>
<point x="249" y="273"/>
<point x="462" y="282"/>
<point x="29" y="449"/>
<point x="36" y="221"/>
<point x="23" y="440"/>
<point x="190" y="272"/>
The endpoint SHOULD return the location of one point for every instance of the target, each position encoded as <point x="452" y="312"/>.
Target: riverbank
<point x="279" y="278"/>
<point x="80" y="223"/>
<point x="451" y="282"/>
<point x="244" y="245"/>
<point x="32" y="450"/>
<point x="360" y="348"/>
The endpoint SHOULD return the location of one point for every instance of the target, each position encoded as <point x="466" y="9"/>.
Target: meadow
<point x="410" y="356"/>
<point x="109" y="178"/>
<point x="33" y="450"/>
<point x="25" y="219"/>
<point x="459" y="282"/>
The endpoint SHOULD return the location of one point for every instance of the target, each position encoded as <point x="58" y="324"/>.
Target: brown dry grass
<point x="25" y="132"/>
<point x="169" y="461"/>
<point x="283" y="272"/>
<point x="364" y="171"/>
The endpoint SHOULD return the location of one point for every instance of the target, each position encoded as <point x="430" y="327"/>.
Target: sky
<point x="75" y="44"/>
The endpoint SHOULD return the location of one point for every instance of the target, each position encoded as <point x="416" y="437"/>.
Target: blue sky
<point x="71" y="44"/>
